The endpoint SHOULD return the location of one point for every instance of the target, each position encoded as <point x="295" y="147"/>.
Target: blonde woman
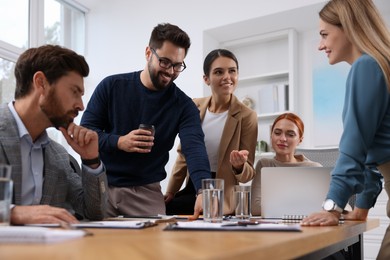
<point x="354" y="31"/>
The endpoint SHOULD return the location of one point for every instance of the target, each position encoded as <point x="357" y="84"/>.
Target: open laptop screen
<point x="293" y="192"/>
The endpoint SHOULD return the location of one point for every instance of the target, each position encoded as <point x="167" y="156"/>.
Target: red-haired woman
<point x="286" y="134"/>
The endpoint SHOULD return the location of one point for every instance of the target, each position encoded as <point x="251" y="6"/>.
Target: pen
<point x="153" y="217"/>
<point x="241" y="223"/>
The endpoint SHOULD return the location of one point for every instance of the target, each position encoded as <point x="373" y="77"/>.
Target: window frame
<point x="36" y="29"/>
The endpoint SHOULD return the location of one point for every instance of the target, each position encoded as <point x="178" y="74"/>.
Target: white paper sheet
<point x="131" y="224"/>
<point x="229" y="225"/>
<point x="23" y="234"/>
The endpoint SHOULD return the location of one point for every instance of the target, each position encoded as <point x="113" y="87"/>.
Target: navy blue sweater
<point x="119" y="104"/>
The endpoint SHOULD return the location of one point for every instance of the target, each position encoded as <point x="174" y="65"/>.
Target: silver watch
<point x="330" y="205"/>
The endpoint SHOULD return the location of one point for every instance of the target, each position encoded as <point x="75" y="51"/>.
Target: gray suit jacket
<point x="86" y="195"/>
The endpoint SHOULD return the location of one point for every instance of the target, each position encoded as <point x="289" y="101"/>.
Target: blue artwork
<point x="328" y="100"/>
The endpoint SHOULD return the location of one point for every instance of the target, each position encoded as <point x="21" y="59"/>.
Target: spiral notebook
<point x="291" y="193"/>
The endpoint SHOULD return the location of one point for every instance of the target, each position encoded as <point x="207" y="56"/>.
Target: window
<point x="22" y="26"/>
<point x="7" y="80"/>
<point x="64" y="25"/>
<point x="14" y="22"/>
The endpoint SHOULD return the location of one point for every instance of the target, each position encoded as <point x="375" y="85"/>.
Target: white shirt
<point x="213" y="125"/>
<point x="32" y="162"/>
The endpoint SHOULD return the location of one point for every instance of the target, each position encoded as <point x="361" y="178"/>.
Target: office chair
<point x="325" y="156"/>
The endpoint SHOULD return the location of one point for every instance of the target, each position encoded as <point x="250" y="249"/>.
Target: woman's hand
<point x="238" y="159"/>
<point x="323" y="218"/>
<point x="356" y="214"/>
<point x="168" y="197"/>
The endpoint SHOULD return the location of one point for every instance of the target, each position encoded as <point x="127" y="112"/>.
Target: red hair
<point x="293" y="118"/>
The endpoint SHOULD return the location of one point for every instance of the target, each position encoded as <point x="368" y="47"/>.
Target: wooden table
<point x="154" y="243"/>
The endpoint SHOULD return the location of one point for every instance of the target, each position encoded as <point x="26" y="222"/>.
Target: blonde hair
<point x="364" y="27"/>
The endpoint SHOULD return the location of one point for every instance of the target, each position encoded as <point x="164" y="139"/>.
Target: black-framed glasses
<point x="167" y="64"/>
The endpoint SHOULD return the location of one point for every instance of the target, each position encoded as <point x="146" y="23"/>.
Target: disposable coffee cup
<point x="149" y="128"/>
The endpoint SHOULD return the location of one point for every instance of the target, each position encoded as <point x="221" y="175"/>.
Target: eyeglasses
<point x="167" y="64"/>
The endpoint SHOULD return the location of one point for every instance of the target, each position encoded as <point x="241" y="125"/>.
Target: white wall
<point x="118" y="31"/>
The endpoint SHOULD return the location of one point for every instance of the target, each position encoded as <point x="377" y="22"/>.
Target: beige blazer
<point x="240" y="133"/>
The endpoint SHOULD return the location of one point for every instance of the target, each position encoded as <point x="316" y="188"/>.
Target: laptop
<point x="291" y="193"/>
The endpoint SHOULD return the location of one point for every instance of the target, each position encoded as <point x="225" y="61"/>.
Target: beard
<point x="61" y="121"/>
<point x="154" y="77"/>
<point x="55" y="113"/>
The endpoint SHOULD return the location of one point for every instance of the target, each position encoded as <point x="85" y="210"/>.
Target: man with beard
<point x="49" y="87"/>
<point x="135" y="158"/>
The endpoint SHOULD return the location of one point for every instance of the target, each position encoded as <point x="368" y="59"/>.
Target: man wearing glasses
<point x="135" y="159"/>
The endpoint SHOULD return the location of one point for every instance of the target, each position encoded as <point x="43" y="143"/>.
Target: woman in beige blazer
<point x="230" y="130"/>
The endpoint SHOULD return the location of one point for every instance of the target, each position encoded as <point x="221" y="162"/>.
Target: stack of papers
<point x="20" y="234"/>
<point x="233" y="226"/>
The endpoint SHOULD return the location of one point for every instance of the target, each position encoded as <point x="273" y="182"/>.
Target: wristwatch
<point x="89" y="162"/>
<point x="330" y="205"/>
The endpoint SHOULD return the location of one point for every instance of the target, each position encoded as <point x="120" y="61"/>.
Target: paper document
<point x="155" y="219"/>
<point x="115" y="224"/>
<point x="22" y="234"/>
<point x="135" y="224"/>
<point x="231" y="226"/>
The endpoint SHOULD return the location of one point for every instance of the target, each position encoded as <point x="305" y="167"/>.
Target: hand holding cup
<point x="149" y="128"/>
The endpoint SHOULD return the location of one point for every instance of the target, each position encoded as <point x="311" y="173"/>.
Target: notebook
<point x="293" y="192"/>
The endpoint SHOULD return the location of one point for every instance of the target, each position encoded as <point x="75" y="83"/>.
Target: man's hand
<point x="40" y="214"/>
<point x="198" y="207"/>
<point x="83" y="140"/>
<point x="139" y="141"/>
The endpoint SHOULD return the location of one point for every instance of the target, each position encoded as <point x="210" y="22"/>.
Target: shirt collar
<point x="43" y="139"/>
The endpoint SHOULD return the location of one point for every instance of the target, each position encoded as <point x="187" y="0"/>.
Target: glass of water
<point x="242" y="198"/>
<point x="212" y="190"/>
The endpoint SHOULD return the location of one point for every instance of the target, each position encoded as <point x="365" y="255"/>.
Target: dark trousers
<point x="184" y="201"/>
